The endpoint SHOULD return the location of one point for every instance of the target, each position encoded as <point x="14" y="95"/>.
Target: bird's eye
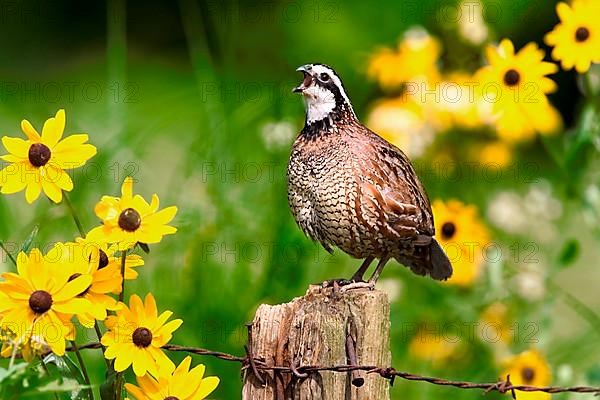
<point x="324" y="76"/>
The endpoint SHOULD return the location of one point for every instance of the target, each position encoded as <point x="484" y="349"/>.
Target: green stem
<point x="99" y="334"/>
<point x="119" y="379"/>
<point x="84" y="372"/>
<point x="577" y="305"/>
<point x="588" y="87"/>
<point x="74" y="214"/>
<point x="123" y="261"/>
<point x="8" y="254"/>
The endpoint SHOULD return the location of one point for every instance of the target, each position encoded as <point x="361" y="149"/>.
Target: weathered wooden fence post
<point x="319" y="329"/>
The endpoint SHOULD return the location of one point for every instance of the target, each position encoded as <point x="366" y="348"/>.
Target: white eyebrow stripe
<point x="319" y="69"/>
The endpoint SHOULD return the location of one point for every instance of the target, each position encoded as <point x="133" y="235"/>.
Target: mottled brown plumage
<point x="349" y="188"/>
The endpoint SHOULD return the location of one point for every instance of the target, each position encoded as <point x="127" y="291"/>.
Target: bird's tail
<point x="429" y="260"/>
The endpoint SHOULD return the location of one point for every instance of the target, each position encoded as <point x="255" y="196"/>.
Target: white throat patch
<point x="319" y="101"/>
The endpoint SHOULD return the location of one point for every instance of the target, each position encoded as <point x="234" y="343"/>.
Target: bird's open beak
<point x="307" y="81"/>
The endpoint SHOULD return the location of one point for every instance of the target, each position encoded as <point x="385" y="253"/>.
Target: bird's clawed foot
<point x="336" y="282"/>
<point x="358" y="285"/>
<point x="344" y="285"/>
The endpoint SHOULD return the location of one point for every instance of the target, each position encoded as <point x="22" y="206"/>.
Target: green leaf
<point x="22" y="380"/>
<point x="569" y="252"/>
<point x="70" y="382"/>
<point x="27" y="243"/>
<point x="107" y="389"/>
<point x="144" y="247"/>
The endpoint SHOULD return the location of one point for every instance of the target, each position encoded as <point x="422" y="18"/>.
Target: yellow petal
<point x="77" y="305"/>
<point x="52" y="132"/>
<point x="59" y="177"/>
<point x="70" y="143"/>
<point x="144" y="360"/>
<point x="11" y="158"/>
<point x="165" y="365"/>
<point x="127" y="189"/>
<point x="150" y="307"/>
<point x="108" y="209"/>
<point x="52" y="191"/>
<point x="207" y="386"/>
<point x="154" y="204"/>
<point x="22" y="264"/>
<point x="135" y="392"/>
<point x="150" y="386"/>
<point x="37" y="272"/>
<point x="55" y="332"/>
<point x="12" y="178"/>
<point x="564" y="11"/>
<point x="165" y="333"/>
<point x="186" y="383"/>
<point x="16" y="146"/>
<point x="74" y="156"/>
<point x="113" y="349"/>
<point x="30" y="131"/>
<point x="124" y="358"/>
<point x="73" y="288"/>
<point x="136" y="306"/>
<point x="160" y="321"/>
<point x="162" y="217"/>
<point x="34" y="188"/>
<point x="506" y="48"/>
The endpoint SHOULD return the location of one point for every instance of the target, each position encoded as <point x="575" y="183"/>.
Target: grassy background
<point x="177" y="94"/>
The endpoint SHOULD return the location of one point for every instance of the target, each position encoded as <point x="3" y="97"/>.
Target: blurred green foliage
<point x="179" y="101"/>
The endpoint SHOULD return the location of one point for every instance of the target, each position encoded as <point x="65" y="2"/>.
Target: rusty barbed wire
<point x="256" y="366"/>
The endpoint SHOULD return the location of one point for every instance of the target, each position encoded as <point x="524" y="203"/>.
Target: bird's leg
<point x="356" y="278"/>
<point x="358" y="275"/>
<point x="371" y="283"/>
<point x="375" y="276"/>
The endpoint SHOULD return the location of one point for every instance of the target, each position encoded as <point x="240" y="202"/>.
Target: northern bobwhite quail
<point x="350" y="188"/>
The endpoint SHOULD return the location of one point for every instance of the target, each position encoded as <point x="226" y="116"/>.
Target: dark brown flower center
<point x="527" y="374"/>
<point x="512" y="77"/>
<point x="582" y="34"/>
<point x="75" y="276"/>
<point x="103" y="259"/>
<point x="40" y="301"/>
<point x="171" y="398"/>
<point x="39" y="154"/>
<point x="142" y="337"/>
<point x="448" y="230"/>
<point x="130" y="220"/>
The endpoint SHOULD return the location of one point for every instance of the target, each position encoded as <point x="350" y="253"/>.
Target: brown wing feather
<point x="394" y="185"/>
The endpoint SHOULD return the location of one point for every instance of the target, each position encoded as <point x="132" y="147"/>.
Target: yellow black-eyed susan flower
<point x="428" y="344"/>
<point x="458" y="102"/>
<point x="516" y="84"/>
<point x="39" y="163"/>
<point x="81" y="258"/>
<point x="495" y="324"/>
<point x="415" y="60"/>
<point x="136" y="335"/>
<point x="528" y="368"/>
<point x="494" y="154"/>
<point x="28" y="347"/>
<point x="576" y="39"/>
<point x="463" y="236"/>
<point x="104" y="254"/>
<point x="183" y="384"/>
<point x="40" y="299"/>
<point x="402" y="122"/>
<point x="129" y="219"/>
